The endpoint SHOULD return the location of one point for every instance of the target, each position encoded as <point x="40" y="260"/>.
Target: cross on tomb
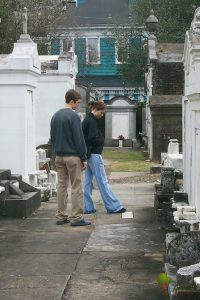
<point x="24" y="20"/>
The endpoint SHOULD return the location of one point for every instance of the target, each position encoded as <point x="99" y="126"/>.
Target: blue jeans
<point x="95" y="168"/>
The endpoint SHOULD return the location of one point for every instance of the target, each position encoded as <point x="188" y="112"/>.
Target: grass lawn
<point x="127" y="161"/>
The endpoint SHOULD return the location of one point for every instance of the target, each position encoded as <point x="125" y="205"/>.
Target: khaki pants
<point x="69" y="169"/>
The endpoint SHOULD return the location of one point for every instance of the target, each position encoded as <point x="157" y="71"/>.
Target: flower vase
<point x="120" y="143"/>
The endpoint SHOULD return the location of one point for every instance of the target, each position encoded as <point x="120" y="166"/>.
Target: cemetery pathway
<point x="115" y="258"/>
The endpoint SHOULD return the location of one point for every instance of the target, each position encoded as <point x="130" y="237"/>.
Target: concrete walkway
<point x="115" y="258"/>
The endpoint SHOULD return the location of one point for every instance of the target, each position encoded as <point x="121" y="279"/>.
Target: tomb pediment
<point x="121" y="101"/>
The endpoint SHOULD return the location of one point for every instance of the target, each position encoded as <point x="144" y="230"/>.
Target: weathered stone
<point x="18" y="199"/>
<point x="158" y="187"/>
<point x="14" y="190"/>
<point x="170" y="237"/>
<point x="167" y="180"/>
<point x="21" y="207"/>
<point x="155" y="169"/>
<point x="13" y="197"/>
<point x="27" y="187"/>
<point x="16" y="177"/>
<point x="184" y="250"/>
<point x="185" y="275"/>
<point x="180" y="196"/>
<point x="5" y="174"/>
<point x="164" y="196"/>
<point x="166" y="120"/>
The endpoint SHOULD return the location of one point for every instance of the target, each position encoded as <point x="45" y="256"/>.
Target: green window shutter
<point x="55" y="47"/>
<point x="80" y="50"/>
<point x="107" y="47"/>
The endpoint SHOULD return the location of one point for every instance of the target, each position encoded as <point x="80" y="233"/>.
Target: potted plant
<point x="121" y="138"/>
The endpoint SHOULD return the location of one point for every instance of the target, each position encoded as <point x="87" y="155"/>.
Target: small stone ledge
<point x="155" y="169"/>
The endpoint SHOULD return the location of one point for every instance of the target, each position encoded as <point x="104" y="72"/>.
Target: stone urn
<point x="120" y="143"/>
<point x="121" y="139"/>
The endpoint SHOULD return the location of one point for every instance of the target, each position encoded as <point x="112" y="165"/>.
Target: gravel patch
<point x="148" y="178"/>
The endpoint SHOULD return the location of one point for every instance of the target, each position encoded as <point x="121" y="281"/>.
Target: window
<point x="121" y="51"/>
<point x="67" y="44"/>
<point x="93" y="51"/>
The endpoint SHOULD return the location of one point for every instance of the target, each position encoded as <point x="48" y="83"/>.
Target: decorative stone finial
<point x="151" y="22"/>
<point x="195" y="25"/>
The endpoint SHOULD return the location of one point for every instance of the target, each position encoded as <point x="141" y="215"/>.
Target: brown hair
<point x="72" y="95"/>
<point x="98" y="105"/>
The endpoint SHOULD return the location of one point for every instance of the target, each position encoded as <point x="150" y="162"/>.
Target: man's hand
<point x="84" y="165"/>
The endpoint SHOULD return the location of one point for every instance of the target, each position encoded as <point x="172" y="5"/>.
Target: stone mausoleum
<point x="164" y="87"/>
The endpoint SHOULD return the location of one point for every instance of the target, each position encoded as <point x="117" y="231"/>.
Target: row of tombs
<point x="19" y="199"/>
<point x="182" y="227"/>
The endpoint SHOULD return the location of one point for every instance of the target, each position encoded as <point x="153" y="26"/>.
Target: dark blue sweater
<point x="67" y="135"/>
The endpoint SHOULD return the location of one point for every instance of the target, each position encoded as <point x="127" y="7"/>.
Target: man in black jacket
<point x="70" y="149"/>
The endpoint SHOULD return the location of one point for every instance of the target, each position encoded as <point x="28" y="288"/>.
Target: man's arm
<point x="79" y="138"/>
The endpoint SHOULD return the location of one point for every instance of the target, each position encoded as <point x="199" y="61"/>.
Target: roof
<point x="97" y="12"/>
<point x="100" y="81"/>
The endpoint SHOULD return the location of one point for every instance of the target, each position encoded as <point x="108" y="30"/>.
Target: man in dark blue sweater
<point x="70" y="149"/>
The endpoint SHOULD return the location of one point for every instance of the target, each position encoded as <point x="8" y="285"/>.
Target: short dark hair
<point x="72" y="95"/>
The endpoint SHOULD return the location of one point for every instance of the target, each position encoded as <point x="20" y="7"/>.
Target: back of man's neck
<point x="67" y="105"/>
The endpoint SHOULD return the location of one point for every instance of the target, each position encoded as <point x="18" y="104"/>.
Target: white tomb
<point x="191" y="113"/>
<point x="52" y="86"/>
<point x="19" y="74"/>
<point x="120" y="119"/>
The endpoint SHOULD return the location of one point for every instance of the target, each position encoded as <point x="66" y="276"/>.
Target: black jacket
<point x="94" y="138"/>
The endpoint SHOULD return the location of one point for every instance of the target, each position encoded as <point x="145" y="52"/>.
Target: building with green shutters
<point x="90" y="28"/>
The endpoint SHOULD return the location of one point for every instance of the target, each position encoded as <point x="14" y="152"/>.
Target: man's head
<point x="72" y="98"/>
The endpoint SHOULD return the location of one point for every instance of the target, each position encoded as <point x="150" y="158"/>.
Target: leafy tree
<point x="131" y="52"/>
<point x="133" y="69"/>
<point x="174" y="16"/>
<point x="41" y="15"/>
